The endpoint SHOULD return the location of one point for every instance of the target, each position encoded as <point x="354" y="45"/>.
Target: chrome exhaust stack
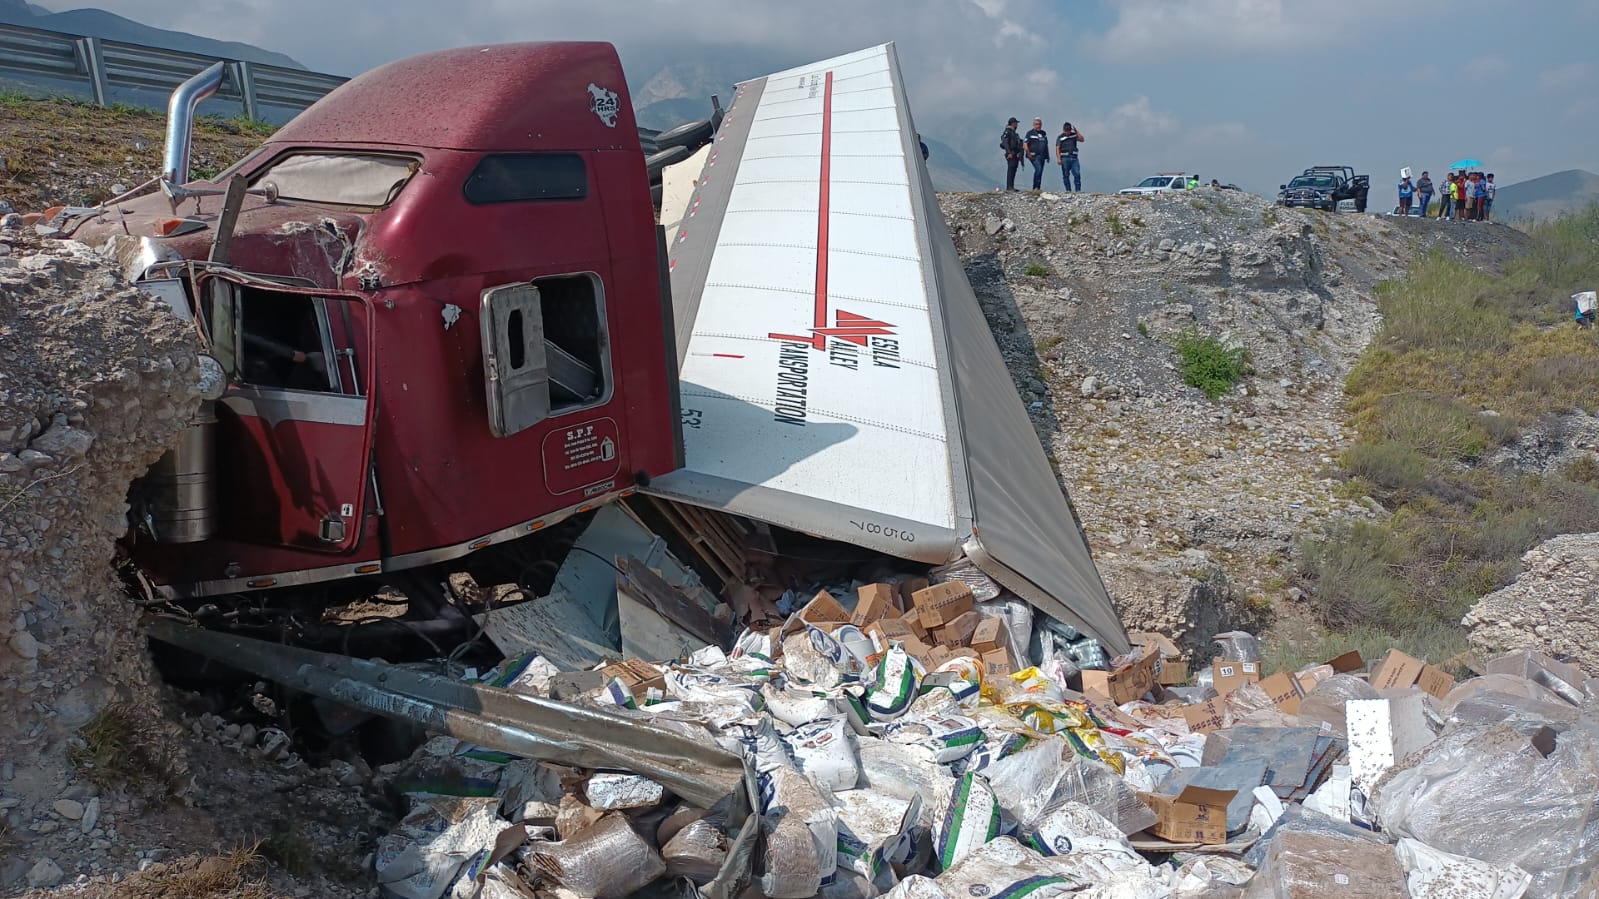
<point x="180" y="122"/>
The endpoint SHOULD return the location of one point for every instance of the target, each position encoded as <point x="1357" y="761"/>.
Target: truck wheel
<point x="655" y="162"/>
<point x="689" y="134"/>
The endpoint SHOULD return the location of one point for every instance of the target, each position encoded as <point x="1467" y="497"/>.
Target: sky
<point x="1246" y="91"/>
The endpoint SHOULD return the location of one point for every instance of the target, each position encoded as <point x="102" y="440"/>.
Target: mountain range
<point x="672" y="91"/>
<point x="1548" y="197"/>
<point x="112" y="27"/>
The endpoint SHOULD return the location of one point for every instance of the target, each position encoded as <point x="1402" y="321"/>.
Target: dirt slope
<point x="56" y="152"/>
<point x="1191" y="506"/>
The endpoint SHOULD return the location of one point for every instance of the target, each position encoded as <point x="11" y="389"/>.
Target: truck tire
<point x="688" y="134"/>
<point x="655" y="162"/>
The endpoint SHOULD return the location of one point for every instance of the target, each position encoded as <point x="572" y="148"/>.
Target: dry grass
<point x="1464" y="361"/>
<point x="234" y="875"/>
<point x="61" y="151"/>
<point x="121" y="752"/>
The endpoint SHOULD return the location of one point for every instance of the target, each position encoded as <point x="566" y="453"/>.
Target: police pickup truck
<point x="1324" y="187"/>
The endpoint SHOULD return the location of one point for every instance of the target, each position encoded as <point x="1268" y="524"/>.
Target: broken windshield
<point x="369" y="181"/>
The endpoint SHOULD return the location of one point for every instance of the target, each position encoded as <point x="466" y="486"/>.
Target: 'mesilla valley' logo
<point x="605" y="105"/>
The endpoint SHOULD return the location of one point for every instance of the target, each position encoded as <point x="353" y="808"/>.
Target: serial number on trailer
<point x="883" y="530"/>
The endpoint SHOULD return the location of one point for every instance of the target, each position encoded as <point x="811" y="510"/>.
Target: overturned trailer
<point x="837" y="375"/>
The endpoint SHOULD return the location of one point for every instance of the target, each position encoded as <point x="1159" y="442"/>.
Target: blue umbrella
<point x="1467" y="164"/>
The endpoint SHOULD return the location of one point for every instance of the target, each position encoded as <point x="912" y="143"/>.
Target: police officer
<point x="1037" y="141"/>
<point x="1066" y="152"/>
<point x="1011" y="143"/>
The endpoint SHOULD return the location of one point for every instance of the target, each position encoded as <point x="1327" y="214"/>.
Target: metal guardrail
<point x="103" y="66"/>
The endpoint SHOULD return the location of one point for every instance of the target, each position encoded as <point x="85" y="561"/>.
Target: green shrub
<point x="1454" y="344"/>
<point x="1210" y="365"/>
<point x="1432" y="425"/>
<point x="1034" y="270"/>
<point x="1114" y="222"/>
<point x="1389" y="465"/>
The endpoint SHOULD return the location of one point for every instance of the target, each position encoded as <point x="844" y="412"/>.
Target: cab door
<point x="295" y="425"/>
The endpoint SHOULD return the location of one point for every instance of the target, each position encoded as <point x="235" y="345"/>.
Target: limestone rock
<point x="1550" y="607"/>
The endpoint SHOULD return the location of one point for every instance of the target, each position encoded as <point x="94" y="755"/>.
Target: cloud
<point x="1139" y="117"/>
<point x="1490" y="66"/>
<point x="1424" y="75"/>
<point x="991" y="8"/>
<point x="1578" y="74"/>
<point x="1044" y="78"/>
<point x="1145" y="28"/>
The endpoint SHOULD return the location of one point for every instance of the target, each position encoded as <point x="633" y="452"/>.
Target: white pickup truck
<point x="1165" y="182"/>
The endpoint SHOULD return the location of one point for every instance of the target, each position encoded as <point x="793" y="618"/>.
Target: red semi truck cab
<point x="440" y="318"/>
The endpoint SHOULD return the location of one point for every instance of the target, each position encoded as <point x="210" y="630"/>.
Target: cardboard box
<point x="1196" y="815"/>
<point x="991" y="634"/>
<point x="1229" y="676"/>
<point x="920" y="651"/>
<point x="959" y="631"/>
<point x="823" y="609"/>
<point x="1205" y="717"/>
<point x="1307" y="865"/>
<point x="1435" y="681"/>
<point x="1172" y="669"/>
<point x="998" y="663"/>
<point x="941" y="654"/>
<point x="1110" y="714"/>
<point x="877" y="601"/>
<point x="942" y="603"/>
<point x="639" y="675"/>
<point x="1398" y="670"/>
<point x="1284" y="692"/>
<point x="908" y="588"/>
<point x="889" y="630"/>
<point x="1127" y="683"/>
<point x="913" y="620"/>
<point x="1347" y="663"/>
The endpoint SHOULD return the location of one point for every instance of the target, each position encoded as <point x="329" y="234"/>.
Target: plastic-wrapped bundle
<point x="606" y="860"/>
<point x="1099" y="787"/>
<point x="894" y="685"/>
<point x="801" y="827"/>
<point x="1488" y="794"/>
<point x="1088" y="654"/>
<point x="1074" y="827"/>
<point x="966" y="572"/>
<point x="870" y="827"/>
<point x="1025" y="782"/>
<point x="696" y="852"/>
<point x="1432" y="874"/>
<point x="825" y="752"/>
<point x="1325" y="704"/>
<point x="1302" y="865"/>
<point x="796" y="706"/>
<point x="1004" y="867"/>
<point x="950" y="737"/>
<point x="902" y="771"/>
<point x="809" y="664"/>
<point x="440" y="836"/>
<point x="1237" y="646"/>
<point x="968" y="819"/>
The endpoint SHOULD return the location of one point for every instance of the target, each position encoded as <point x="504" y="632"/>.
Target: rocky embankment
<point x="1551" y="607"/>
<point x="1192" y="507"/>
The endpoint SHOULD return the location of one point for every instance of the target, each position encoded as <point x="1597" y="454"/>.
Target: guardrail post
<point x="92" y="63"/>
<point x="244" y="77"/>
